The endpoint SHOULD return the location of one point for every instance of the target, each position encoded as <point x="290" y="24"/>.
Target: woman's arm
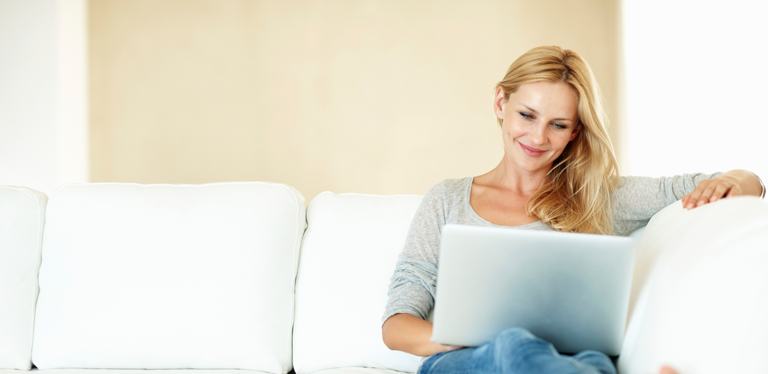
<point x="637" y="199"/>
<point x="411" y="334"/>
<point x="411" y="292"/>
<point x="730" y="184"/>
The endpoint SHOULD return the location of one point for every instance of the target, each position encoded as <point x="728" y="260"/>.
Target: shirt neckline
<point x="468" y="207"/>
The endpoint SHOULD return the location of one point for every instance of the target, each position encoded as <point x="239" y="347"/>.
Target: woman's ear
<point x="575" y="131"/>
<point x="498" y="103"/>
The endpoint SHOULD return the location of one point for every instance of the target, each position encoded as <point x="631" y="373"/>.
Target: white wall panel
<point x="696" y="87"/>
<point x="43" y="93"/>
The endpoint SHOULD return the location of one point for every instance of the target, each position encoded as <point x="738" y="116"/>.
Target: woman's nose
<point x="538" y="133"/>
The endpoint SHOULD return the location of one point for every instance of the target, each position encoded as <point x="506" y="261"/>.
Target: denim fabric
<point x="516" y="351"/>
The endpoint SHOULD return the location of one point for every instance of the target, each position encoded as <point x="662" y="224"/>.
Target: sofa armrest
<point x="699" y="291"/>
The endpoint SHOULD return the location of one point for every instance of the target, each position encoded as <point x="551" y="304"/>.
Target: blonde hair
<point x="576" y="195"/>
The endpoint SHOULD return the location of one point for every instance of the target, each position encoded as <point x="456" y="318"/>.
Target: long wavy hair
<point x="576" y="195"/>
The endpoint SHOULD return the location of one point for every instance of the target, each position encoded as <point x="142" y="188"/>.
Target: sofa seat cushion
<point x="349" y="253"/>
<point x="169" y="277"/>
<point x="134" y="371"/>
<point x="359" y="370"/>
<point x="699" y="291"/>
<point x="352" y="370"/>
<point x="22" y="218"/>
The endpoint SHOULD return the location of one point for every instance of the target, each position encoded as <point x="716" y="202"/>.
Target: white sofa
<point x="239" y="276"/>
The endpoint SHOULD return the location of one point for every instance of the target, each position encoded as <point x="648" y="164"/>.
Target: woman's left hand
<point x="730" y="184"/>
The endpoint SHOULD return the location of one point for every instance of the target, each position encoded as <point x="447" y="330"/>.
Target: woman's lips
<point x="530" y="151"/>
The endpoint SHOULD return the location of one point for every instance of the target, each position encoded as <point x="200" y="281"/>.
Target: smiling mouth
<point x="530" y="151"/>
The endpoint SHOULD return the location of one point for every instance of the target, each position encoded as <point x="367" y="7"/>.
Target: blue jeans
<point x="516" y="351"/>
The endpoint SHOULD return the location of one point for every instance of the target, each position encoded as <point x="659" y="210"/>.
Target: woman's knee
<point x="516" y="345"/>
<point x="519" y="338"/>
<point x="515" y="348"/>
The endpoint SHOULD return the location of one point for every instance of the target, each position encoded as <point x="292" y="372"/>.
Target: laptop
<point x="569" y="289"/>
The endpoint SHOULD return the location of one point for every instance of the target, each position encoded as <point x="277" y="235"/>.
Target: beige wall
<point x="379" y="97"/>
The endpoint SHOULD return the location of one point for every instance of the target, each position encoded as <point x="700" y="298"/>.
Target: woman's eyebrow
<point x="530" y="109"/>
<point x="554" y="119"/>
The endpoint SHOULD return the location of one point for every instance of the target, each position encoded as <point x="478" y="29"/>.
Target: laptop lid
<point x="569" y="289"/>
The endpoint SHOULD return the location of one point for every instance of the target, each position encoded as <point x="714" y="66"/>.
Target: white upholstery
<point x="357" y="370"/>
<point x="701" y="286"/>
<point x="112" y="371"/>
<point x="169" y="277"/>
<point x="22" y="218"/>
<point x="202" y="277"/>
<point x="352" y="370"/>
<point x="348" y="256"/>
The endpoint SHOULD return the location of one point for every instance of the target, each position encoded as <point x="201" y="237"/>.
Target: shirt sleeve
<point x="637" y="199"/>
<point x="412" y="286"/>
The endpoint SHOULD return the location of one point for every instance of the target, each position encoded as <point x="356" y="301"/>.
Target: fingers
<point x="684" y="200"/>
<point x="667" y="370"/>
<point x="735" y="191"/>
<point x="692" y="199"/>
<point x="451" y="347"/>
<point x="711" y="190"/>
<point x="720" y="190"/>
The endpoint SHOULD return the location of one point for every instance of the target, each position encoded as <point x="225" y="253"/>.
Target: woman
<point x="559" y="173"/>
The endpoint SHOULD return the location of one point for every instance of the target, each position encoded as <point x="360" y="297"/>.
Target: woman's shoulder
<point x="447" y="194"/>
<point x="449" y="188"/>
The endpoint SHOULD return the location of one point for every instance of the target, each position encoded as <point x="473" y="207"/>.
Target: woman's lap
<point x="516" y="351"/>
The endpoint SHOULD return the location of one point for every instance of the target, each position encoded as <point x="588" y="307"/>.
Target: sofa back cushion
<point x="169" y="277"/>
<point x="22" y="217"/>
<point x="699" y="291"/>
<point x="348" y="256"/>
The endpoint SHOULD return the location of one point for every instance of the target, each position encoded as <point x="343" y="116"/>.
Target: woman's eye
<point x="526" y="115"/>
<point x="559" y="126"/>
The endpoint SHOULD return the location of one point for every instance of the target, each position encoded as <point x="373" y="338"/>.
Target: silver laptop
<point x="569" y="289"/>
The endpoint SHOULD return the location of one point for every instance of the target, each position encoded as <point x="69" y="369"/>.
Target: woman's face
<point x="538" y="121"/>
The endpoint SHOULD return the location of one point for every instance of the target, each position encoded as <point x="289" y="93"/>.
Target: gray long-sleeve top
<point x="412" y="287"/>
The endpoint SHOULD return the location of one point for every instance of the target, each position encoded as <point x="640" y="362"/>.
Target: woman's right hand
<point x="411" y="334"/>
